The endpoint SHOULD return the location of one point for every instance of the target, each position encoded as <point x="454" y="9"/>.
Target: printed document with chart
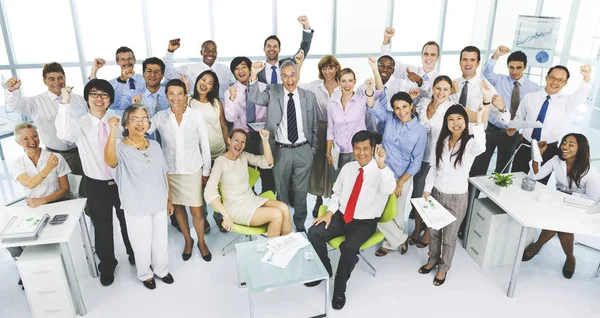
<point x="433" y="213"/>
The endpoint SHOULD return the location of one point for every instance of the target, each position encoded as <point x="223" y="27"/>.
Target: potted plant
<point x="503" y="180"/>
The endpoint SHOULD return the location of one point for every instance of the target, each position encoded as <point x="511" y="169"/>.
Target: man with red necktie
<point x="359" y="197"/>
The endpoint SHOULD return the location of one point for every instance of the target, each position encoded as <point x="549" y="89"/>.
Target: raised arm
<point x="14" y="100"/>
<point x="376" y="75"/>
<point x="65" y="125"/>
<point x="546" y="169"/>
<point x="171" y="71"/>
<point x="229" y="108"/>
<point x="264" y="136"/>
<point x="110" y="150"/>
<point x="307" y="34"/>
<point x="488" y="67"/>
<point x="584" y="88"/>
<point x="255" y="95"/>
<point x="98" y="64"/>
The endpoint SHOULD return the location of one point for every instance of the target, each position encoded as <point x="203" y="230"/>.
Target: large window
<point x="360" y="26"/>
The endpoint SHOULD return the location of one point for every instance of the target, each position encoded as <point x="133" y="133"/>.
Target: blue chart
<point x="536" y="37"/>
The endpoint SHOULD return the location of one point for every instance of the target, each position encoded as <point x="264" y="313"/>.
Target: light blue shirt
<point x="403" y="143"/>
<point x="148" y="100"/>
<point x="504" y="84"/>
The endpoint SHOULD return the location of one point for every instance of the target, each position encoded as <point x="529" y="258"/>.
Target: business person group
<point x="149" y="145"/>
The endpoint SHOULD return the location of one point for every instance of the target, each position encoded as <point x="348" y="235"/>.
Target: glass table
<point x="258" y="276"/>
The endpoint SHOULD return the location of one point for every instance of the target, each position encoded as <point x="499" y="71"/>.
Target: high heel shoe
<point x="528" y="257"/>
<point x="568" y="273"/>
<point x="206" y="257"/>
<point x="188" y="255"/>
<point x="439" y="282"/>
<point x="424" y="270"/>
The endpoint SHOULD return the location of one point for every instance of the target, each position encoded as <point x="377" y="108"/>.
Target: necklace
<point x="144" y="152"/>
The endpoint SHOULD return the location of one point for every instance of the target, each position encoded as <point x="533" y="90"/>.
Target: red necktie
<point x="349" y="213"/>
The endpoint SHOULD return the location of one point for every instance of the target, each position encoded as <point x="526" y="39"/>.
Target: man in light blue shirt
<point x="512" y="89"/>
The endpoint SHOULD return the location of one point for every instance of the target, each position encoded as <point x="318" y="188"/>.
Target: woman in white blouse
<point x="206" y="99"/>
<point x="187" y="150"/>
<point x="455" y="151"/>
<point x="574" y="175"/>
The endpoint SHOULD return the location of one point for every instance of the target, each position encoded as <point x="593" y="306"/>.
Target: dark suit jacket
<point x="304" y="45"/>
<point x="272" y="98"/>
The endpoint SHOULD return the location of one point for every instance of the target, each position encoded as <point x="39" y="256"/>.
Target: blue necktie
<point x="250" y="108"/>
<point x="425" y="77"/>
<point x="383" y="102"/>
<point x="131" y="84"/>
<point x="292" y="125"/>
<point x="273" y="74"/>
<point x="537" y="132"/>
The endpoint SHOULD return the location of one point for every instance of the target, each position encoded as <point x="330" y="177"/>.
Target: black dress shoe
<point x="313" y="283"/>
<point x="174" y="222"/>
<point x="206" y="257"/>
<point x="188" y="255"/>
<point x="107" y="278"/>
<point x="132" y="259"/>
<point x="20" y="283"/>
<point x="528" y="257"/>
<point x="338" y="301"/>
<point x="425" y="270"/>
<point x="150" y="284"/>
<point x="568" y="273"/>
<point x="168" y="279"/>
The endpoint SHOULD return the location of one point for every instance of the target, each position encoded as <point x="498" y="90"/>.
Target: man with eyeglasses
<point x="552" y="109"/>
<point x="90" y="133"/>
<point x="191" y="71"/>
<point x="42" y="109"/>
<point x="129" y="82"/>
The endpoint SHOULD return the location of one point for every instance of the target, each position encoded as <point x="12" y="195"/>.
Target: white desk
<point x="61" y="234"/>
<point x="524" y="207"/>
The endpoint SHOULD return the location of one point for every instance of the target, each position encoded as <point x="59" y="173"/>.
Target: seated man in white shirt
<point x="129" y="82"/>
<point x="43" y="108"/>
<point x="359" y="197"/>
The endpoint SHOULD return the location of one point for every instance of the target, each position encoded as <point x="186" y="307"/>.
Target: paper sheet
<point x="335" y="155"/>
<point x="433" y="213"/>
<point x="521" y="124"/>
<point x="257" y="126"/>
<point x="283" y="249"/>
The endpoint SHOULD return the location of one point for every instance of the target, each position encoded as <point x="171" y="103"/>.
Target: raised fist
<point x="304" y="21"/>
<point x="173" y="45"/>
<point x="232" y="93"/>
<point x="98" y="63"/>
<point x="13" y="84"/>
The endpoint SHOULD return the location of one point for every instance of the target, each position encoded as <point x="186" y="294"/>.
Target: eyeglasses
<point x="155" y="72"/>
<point x="137" y="120"/>
<point x="102" y="95"/>
<point x="551" y="78"/>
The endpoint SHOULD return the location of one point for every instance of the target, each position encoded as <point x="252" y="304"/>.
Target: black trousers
<point x="494" y="137"/>
<point x="523" y="157"/>
<point x="102" y="197"/>
<point x="357" y="233"/>
<point x="253" y="146"/>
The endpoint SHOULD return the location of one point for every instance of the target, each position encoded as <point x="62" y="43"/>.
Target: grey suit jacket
<point x="272" y="98"/>
<point x="304" y="45"/>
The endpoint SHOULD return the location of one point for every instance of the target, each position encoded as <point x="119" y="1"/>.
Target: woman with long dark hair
<point x="574" y="175"/>
<point x="455" y="151"/>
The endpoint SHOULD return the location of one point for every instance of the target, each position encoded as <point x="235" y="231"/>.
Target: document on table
<point x="522" y="124"/>
<point x="283" y="249"/>
<point x="433" y="213"/>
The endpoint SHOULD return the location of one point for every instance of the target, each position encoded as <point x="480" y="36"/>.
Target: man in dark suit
<point x="292" y="122"/>
<point x="272" y="73"/>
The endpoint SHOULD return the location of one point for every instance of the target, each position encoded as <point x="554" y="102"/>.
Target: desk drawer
<point x="46" y="291"/>
<point x="480" y="223"/>
<point x="476" y="248"/>
<point x="44" y="271"/>
<point x="53" y="309"/>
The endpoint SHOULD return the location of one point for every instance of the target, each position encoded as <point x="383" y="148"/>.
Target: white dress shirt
<point x="281" y="135"/>
<point x="400" y="70"/>
<point x="560" y="106"/>
<point x="589" y="186"/>
<point x="84" y="132"/>
<point x="185" y="145"/>
<point x="377" y="185"/>
<point x="318" y="88"/>
<point x="191" y="71"/>
<point x="50" y="184"/>
<point x="42" y="109"/>
<point x="448" y="179"/>
<point x="269" y="70"/>
<point x="433" y="124"/>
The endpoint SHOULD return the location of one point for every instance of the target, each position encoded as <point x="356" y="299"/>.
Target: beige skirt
<point x="186" y="189"/>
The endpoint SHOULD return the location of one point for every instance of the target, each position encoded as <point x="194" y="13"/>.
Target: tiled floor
<point x="209" y="289"/>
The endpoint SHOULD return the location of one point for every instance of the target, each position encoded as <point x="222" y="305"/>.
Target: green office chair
<point x="248" y="231"/>
<point x="389" y="212"/>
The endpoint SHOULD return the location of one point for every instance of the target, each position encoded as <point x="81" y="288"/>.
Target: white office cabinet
<point x="41" y="268"/>
<point x="493" y="235"/>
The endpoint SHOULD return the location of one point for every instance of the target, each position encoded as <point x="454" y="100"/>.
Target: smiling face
<point x="441" y="91"/>
<point x="209" y="53"/>
<point x="237" y="143"/>
<point x="242" y="72"/>
<point x="403" y="110"/>
<point x="430" y="56"/>
<point x="556" y="81"/>
<point x="125" y="59"/>
<point x="363" y="152"/>
<point x="456" y="124"/>
<point x="386" y="68"/>
<point x="28" y="139"/>
<point x="55" y="81"/>
<point x="289" y="77"/>
<point x="176" y="96"/>
<point x="515" y="69"/>
<point x="328" y="72"/>
<point x="138" y="123"/>
<point x="347" y="82"/>
<point x="469" y="64"/>
<point x="98" y="100"/>
<point x="153" y="75"/>
<point x="205" y="84"/>
<point x="569" y="147"/>
<point x="272" y="50"/>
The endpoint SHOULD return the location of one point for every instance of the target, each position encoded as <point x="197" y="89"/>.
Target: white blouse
<point x="448" y="179"/>
<point x="212" y="116"/>
<point x="318" y="88"/>
<point x="50" y="184"/>
<point x="589" y="186"/>
<point x="185" y="145"/>
<point x="433" y="124"/>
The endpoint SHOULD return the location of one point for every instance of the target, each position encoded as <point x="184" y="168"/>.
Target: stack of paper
<point x="282" y="249"/>
<point x="433" y="213"/>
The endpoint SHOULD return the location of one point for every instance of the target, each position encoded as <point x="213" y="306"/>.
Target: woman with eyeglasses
<point x="186" y="147"/>
<point x="140" y="171"/>
<point x="206" y="99"/>
<point x="574" y="175"/>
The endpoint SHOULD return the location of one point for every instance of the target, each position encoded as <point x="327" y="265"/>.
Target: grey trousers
<point x="443" y="242"/>
<point x="292" y="167"/>
<point x="342" y="161"/>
